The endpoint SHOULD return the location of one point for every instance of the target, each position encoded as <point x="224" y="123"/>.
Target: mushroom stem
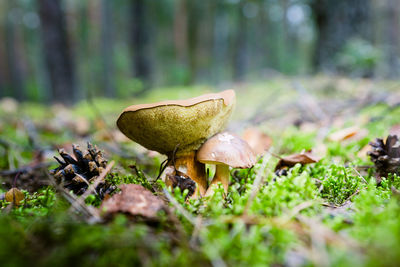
<point x="221" y="176"/>
<point x="195" y="170"/>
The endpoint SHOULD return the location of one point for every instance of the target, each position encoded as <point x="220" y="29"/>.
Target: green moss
<point x="272" y="229"/>
<point x="294" y="140"/>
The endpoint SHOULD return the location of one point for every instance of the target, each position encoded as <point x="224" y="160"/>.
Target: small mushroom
<point x="181" y="126"/>
<point x="224" y="150"/>
<point x="257" y="140"/>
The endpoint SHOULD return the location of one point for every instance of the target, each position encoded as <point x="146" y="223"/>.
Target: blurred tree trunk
<point x="180" y="31"/>
<point x="3" y="63"/>
<point x="15" y="69"/>
<point x="107" y="48"/>
<point x="240" y="45"/>
<point x="140" y="42"/>
<point x="337" y="22"/>
<point x="392" y="37"/>
<point x="2" y="74"/>
<point x="193" y="32"/>
<point x="57" y="51"/>
<point x="263" y="51"/>
<point x="206" y="28"/>
<point x="221" y="43"/>
<point x="284" y="46"/>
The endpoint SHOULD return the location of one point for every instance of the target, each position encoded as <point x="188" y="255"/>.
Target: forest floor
<point x="340" y="210"/>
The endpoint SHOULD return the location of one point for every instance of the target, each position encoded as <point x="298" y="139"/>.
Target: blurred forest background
<point x="68" y="50"/>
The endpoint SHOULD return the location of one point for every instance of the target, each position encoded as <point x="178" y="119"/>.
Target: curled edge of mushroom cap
<point x="164" y="125"/>
<point x="227" y="148"/>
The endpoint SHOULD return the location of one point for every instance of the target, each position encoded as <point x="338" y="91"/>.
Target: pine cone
<point x="386" y="156"/>
<point x="76" y="173"/>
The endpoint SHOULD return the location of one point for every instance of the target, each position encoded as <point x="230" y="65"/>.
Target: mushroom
<point x="224" y="150"/>
<point x="257" y="140"/>
<point x="180" y="127"/>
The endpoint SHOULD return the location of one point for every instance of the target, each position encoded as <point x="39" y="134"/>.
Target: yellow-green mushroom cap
<point x="185" y="124"/>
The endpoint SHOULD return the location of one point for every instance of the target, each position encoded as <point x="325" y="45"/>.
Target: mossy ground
<point x="328" y="213"/>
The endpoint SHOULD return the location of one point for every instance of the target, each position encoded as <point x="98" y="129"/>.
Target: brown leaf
<point x="81" y="126"/>
<point x="363" y="152"/>
<point x="134" y="200"/>
<point x="291" y="160"/>
<point x="15" y="196"/>
<point x="257" y="140"/>
<point x="395" y="130"/>
<point x="354" y="133"/>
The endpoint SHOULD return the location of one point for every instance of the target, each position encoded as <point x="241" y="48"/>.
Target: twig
<point x="359" y="174"/>
<point x="319" y="252"/>
<point x="196" y="230"/>
<point x="257" y="182"/>
<point x="324" y="231"/>
<point x="352" y="195"/>
<point x="197" y="222"/>
<point x="25" y="169"/>
<point x="274" y="154"/>
<point x="91" y="214"/>
<point x="302" y="206"/>
<point x="92" y="187"/>
<point x="175" y="203"/>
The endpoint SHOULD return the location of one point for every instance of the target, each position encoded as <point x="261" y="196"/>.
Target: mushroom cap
<point x="184" y="124"/>
<point x="257" y="140"/>
<point x="227" y="148"/>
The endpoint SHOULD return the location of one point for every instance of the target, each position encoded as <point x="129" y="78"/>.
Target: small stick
<point x="256" y="185"/>
<point x="274" y="154"/>
<point x="93" y="186"/>
<point x="359" y="174"/>
<point x="302" y="206"/>
<point x="182" y="210"/>
<point x="217" y="260"/>
<point x="91" y="214"/>
<point x="196" y="231"/>
<point x="25" y="169"/>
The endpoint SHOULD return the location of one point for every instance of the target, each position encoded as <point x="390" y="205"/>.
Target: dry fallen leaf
<point x="363" y="152"/>
<point x="291" y="160"/>
<point x="353" y="133"/>
<point x="9" y="105"/>
<point x="134" y="200"/>
<point x="257" y="140"/>
<point x="15" y="196"/>
<point x="81" y="126"/>
<point x="395" y="130"/>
